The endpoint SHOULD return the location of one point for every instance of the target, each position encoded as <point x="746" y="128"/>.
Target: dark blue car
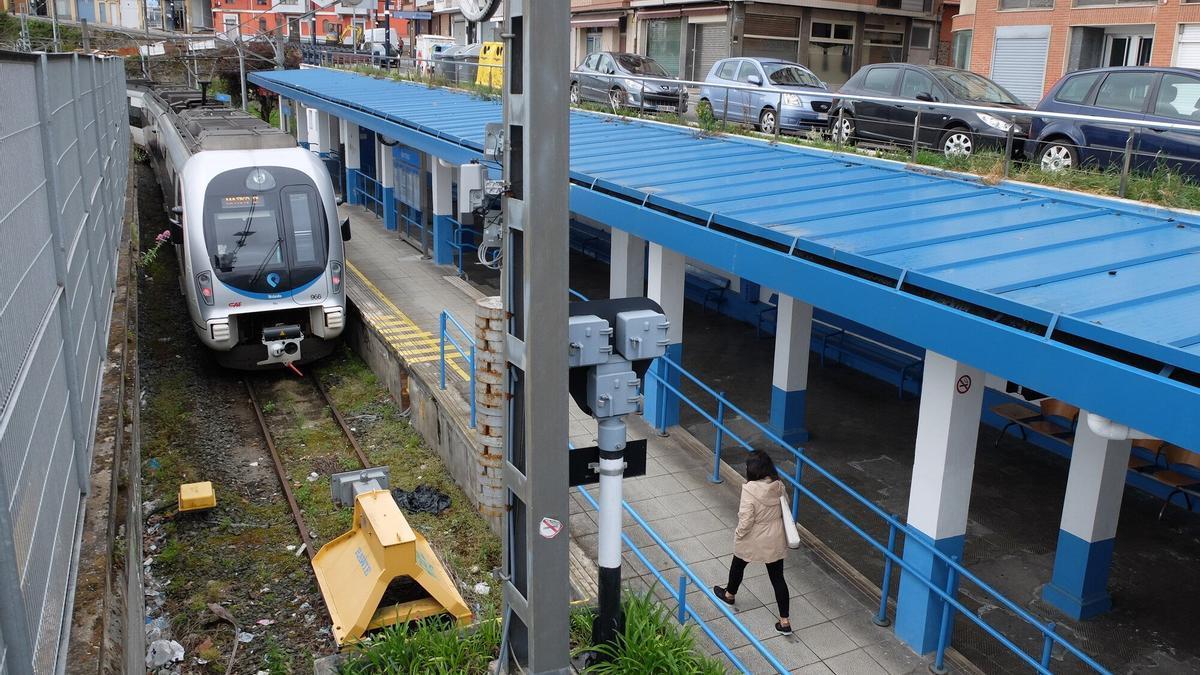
<point x="1149" y="94"/>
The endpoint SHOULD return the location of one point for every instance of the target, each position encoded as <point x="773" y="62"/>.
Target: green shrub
<point x="653" y="643"/>
<point x="428" y="647"/>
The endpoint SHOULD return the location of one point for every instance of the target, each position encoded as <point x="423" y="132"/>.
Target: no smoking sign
<point x="964" y="384"/>
<point x="549" y="528"/>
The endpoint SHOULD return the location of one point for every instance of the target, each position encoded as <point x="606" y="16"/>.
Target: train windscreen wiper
<point x="263" y="265"/>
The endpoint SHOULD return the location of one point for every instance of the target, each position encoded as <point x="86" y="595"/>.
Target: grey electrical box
<point x="347" y="485"/>
<point x="588" y="337"/>
<point x="613" y="393"/>
<point x="642" y="334"/>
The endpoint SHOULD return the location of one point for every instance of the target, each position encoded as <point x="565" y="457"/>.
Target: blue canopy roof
<point x="1106" y="279"/>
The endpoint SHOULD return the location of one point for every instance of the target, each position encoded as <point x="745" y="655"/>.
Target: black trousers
<point x="774" y="571"/>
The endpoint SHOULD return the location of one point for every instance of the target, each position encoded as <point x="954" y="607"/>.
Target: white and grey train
<point x="254" y="228"/>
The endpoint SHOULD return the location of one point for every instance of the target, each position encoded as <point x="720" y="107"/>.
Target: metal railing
<point x="957" y="573"/>
<point x="679" y="592"/>
<point x="460" y="245"/>
<point x="369" y="192"/>
<point x="467" y="351"/>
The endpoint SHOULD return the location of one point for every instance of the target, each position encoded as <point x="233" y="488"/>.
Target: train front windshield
<point x="265" y="230"/>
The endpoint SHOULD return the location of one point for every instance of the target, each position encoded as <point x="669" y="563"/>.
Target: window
<point x="262" y="25"/>
<point x="591" y="61"/>
<point x="883" y="46"/>
<point x="960" y="49"/>
<point x="606" y="65"/>
<point x="1178" y="97"/>
<point x="881" y="80"/>
<point x="921" y="36"/>
<point x="831" y="51"/>
<point x="1101" y="3"/>
<point x="663" y="37"/>
<point x="1076" y="89"/>
<point x="787" y="75"/>
<point x="1031" y="4"/>
<point x="1125" y="91"/>
<point x="973" y="88"/>
<point x="916" y="82"/>
<point x="302" y="218"/>
<point x="593" y="40"/>
<point x="728" y="70"/>
<point x="748" y="68"/>
<point x="640" y="65"/>
<point x="888" y="4"/>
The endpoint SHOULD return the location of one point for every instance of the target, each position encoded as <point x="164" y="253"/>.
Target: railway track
<point x="278" y="463"/>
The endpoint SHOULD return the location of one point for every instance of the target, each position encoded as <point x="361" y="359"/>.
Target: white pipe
<point x="1106" y="428"/>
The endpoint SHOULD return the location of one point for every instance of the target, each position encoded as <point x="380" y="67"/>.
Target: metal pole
<point x="916" y="133"/>
<point x="610" y="438"/>
<point x="1048" y="645"/>
<point x="939" y="661"/>
<point x="54" y="24"/>
<point x="837" y="133"/>
<point x="1008" y="148"/>
<point x="725" y="111"/>
<point x="881" y="618"/>
<point x="534" y="288"/>
<point x="797" y="476"/>
<point x="720" y="426"/>
<point x="683" y="584"/>
<point x="442" y="349"/>
<point x="779" y="117"/>
<point x="1125" y="163"/>
<point x="242" y="69"/>
<point x="83" y="35"/>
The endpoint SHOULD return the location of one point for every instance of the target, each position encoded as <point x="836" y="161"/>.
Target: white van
<point x="376" y="40"/>
<point x="426" y="46"/>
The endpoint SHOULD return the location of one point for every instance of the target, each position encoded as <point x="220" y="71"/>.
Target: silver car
<point x="615" y="78"/>
<point x="773" y="92"/>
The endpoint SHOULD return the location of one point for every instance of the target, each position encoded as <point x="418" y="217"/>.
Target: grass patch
<point x="428" y="646"/>
<point x="653" y="643"/>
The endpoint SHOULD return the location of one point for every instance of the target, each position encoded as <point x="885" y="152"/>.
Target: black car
<point x="952" y="131"/>
<point x="615" y="78"/>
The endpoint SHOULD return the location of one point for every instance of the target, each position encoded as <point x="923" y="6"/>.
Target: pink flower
<point x="163" y="237"/>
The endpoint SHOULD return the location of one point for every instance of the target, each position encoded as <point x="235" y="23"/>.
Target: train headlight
<point x="335" y="276"/>
<point x="205" y="287"/>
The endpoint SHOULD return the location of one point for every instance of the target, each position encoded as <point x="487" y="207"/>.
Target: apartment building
<point x="252" y="18"/>
<point x="1027" y="45"/>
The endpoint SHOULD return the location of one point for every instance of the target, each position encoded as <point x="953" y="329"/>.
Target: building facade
<point x="1027" y="45"/>
<point x="832" y="38"/>
<point x="249" y="19"/>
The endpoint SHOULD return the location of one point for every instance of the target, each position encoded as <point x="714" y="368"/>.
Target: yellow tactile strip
<point x="413" y="343"/>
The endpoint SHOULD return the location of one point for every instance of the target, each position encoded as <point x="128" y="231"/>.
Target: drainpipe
<point x="1106" y="428"/>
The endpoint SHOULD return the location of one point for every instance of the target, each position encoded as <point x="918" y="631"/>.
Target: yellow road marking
<point x="410" y="331"/>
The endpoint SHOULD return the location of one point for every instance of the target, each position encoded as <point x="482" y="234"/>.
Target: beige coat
<point x="759" y="535"/>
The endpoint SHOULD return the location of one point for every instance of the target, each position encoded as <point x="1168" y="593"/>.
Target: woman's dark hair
<point x="759" y="466"/>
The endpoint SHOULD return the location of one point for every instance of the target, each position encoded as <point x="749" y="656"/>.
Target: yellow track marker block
<point x="196" y="496"/>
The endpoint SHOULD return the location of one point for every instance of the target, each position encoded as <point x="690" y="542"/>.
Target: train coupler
<point x="282" y="343"/>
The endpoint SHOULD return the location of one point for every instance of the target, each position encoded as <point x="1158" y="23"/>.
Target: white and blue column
<point x="627" y="265"/>
<point x="442" y="204"/>
<point x="301" y="124"/>
<point x="943" y="467"/>
<point x="353" y="153"/>
<point x="664" y="285"/>
<point x="387" y="181"/>
<point x="789" y="379"/>
<point x="1091" y="508"/>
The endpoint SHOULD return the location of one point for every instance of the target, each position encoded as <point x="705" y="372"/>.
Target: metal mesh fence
<point x="64" y="153"/>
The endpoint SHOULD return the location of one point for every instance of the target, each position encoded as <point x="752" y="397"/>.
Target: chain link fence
<point x="64" y="154"/>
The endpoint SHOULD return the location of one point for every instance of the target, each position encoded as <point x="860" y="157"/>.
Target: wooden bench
<point x="1053" y="419"/>
<point x="710" y="285"/>
<point x="1165" y="470"/>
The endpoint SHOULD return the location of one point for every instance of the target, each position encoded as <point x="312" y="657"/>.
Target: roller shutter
<point x="1019" y="60"/>
<point x="712" y="45"/>
<point x="761" y="28"/>
<point x="1187" y="52"/>
<point x="662" y="43"/>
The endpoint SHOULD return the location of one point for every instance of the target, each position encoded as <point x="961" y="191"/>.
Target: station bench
<point x="1166" y="468"/>
<point x="1053" y="419"/>
<point x="710" y="286"/>
<point x="590" y="241"/>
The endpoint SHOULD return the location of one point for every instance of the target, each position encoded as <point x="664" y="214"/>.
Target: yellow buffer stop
<point x="356" y="569"/>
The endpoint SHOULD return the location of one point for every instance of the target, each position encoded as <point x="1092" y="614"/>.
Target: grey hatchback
<point x="619" y="79"/>
<point x="771" y="92"/>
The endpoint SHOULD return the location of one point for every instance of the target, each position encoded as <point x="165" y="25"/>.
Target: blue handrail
<point x="686" y="610"/>
<point x="948" y="595"/>
<point x="369" y="190"/>
<point x="460" y="245"/>
<point x="467" y="353"/>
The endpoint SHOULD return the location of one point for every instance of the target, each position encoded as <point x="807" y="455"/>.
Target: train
<point x="254" y="224"/>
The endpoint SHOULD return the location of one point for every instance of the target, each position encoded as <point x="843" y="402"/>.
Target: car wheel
<point x="767" y="121"/>
<point x="574" y="93"/>
<point x="957" y="142"/>
<point x="842" y="129"/>
<point x="616" y="98"/>
<point x="1056" y="156"/>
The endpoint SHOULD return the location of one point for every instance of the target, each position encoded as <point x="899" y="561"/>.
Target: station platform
<point x="863" y="433"/>
<point x="402" y="295"/>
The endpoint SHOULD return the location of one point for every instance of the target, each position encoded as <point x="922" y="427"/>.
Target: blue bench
<point x="842" y="343"/>
<point x="710" y="286"/>
<point x="590" y="241"/>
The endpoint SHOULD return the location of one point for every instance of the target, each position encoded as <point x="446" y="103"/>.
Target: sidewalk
<point x="832" y="620"/>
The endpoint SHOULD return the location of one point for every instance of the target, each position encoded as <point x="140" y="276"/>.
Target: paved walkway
<point x="832" y="619"/>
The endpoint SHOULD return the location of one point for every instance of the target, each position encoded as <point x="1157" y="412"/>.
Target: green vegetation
<point x="428" y="647"/>
<point x="41" y="33"/>
<point x="652" y="643"/>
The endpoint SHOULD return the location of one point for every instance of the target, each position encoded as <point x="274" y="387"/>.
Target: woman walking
<point x="759" y="537"/>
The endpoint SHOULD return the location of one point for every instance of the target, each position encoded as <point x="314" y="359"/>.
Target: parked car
<point x="1151" y="94"/>
<point x="949" y="130"/>
<point x="607" y="77"/>
<point x="784" y="93"/>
